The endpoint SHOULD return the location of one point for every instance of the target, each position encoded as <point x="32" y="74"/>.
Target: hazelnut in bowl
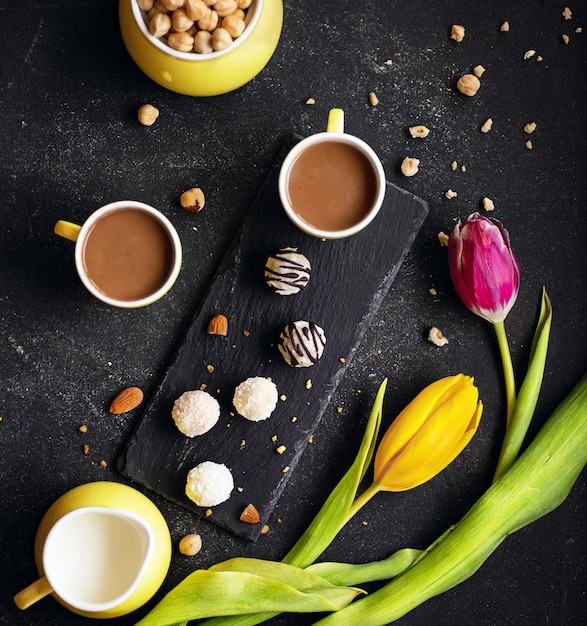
<point x="201" y="47"/>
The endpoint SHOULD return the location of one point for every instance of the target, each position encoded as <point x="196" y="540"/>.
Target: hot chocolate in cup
<point x="127" y="253"/>
<point x="332" y="184"/>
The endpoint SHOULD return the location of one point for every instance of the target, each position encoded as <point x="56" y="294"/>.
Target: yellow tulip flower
<point x="428" y="434"/>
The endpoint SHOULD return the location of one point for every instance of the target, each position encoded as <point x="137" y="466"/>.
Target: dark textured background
<point x="70" y="143"/>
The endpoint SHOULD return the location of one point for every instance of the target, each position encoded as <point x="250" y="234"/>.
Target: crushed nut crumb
<point x="246" y="333"/>
<point x="529" y="54"/>
<point x="309" y="383"/>
<point x="487" y="125"/>
<point x="410" y="166"/>
<point x="488" y="204"/>
<point x="294" y="419"/>
<point x="436" y="337"/>
<point x="565" y="38"/>
<point x="274" y="438"/>
<point x="530" y="128"/>
<point x="419" y="131"/>
<point x="529" y="144"/>
<point x="209" y="368"/>
<point x="478" y="70"/>
<point x="283" y="397"/>
<point x="310" y="101"/>
<point x="505" y="27"/>
<point x="373" y="99"/>
<point x="86" y="448"/>
<point x="265" y="530"/>
<point x="208" y="512"/>
<point x="285" y="470"/>
<point x="450" y="194"/>
<point x="243" y="443"/>
<point x="342" y="359"/>
<point x="280" y="449"/>
<point x="457" y="32"/>
<point x="203" y="387"/>
<point x="102" y="464"/>
<point x="443" y="239"/>
<point x="567" y="13"/>
<point x="339" y="409"/>
<point x="453" y="166"/>
<point x="83" y="428"/>
<point x="432" y="291"/>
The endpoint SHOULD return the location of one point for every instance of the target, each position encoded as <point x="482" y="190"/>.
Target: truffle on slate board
<point x="209" y="484"/>
<point x="287" y="271"/>
<point x="301" y="343"/>
<point x="255" y="398"/>
<point x="195" y="412"/>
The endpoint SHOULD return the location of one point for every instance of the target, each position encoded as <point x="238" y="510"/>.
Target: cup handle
<point x="33" y="593"/>
<point x="67" y="229"/>
<point x="335" y="121"/>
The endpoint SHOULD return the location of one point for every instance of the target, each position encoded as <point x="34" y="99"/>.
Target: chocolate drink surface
<point x="128" y="254"/>
<point x="332" y="185"/>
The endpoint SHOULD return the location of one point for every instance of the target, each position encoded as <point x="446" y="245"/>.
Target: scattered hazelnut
<point x="148" y="114"/>
<point x="190" y="545"/>
<point x="442" y="239"/>
<point x="192" y="200"/>
<point x="410" y="166"/>
<point x="436" y="337"/>
<point x="419" y="131"/>
<point x="457" y="32"/>
<point x="488" y="204"/>
<point x="468" y="84"/>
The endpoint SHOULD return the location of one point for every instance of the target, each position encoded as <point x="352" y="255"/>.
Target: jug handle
<point x="33" y="593"/>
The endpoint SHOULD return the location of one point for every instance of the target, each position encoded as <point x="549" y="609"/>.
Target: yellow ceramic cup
<point x="210" y="74"/>
<point x="130" y="517"/>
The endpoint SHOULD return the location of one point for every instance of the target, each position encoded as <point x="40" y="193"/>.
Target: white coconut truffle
<point x="195" y="412"/>
<point x="287" y="271"/>
<point x="301" y="343"/>
<point x="209" y="484"/>
<point x="255" y="398"/>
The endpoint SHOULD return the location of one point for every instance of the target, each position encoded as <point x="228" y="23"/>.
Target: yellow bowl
<point x="114" y="496"/>
<point x="215" y="73"/>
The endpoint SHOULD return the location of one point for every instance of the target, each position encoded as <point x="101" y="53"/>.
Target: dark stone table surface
<point x="71" y="142"/>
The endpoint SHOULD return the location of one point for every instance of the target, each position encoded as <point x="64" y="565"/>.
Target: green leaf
<point x="206" y="593"/>
<point x="358" y="574"/>
<point x="330" y="519"/>
<point x="529" y="391"/>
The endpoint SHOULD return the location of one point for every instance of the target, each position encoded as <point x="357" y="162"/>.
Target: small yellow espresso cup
<point x="127" y="253"/>
<point x="102" y="550"/>
<point x="332" y="184"/>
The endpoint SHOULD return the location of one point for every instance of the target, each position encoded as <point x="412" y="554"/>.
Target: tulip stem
<point x="361" y="500"/>
<point x="508" y="368"/>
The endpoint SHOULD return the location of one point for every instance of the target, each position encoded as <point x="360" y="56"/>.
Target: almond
<point x="126" y="400"/>
<point x="250" y="515"/>
<point x="218" y="325"/>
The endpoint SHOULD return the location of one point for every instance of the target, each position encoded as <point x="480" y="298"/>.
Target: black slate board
<point x="350" y="278"/>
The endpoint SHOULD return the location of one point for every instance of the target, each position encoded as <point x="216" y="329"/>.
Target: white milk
<point x="94" y="556"/>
